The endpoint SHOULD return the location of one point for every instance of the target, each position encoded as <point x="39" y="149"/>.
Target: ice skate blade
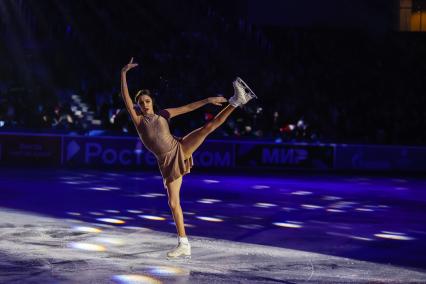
<point x="251" y="93"/>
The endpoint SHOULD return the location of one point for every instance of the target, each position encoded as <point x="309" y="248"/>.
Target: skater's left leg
<point x="173" y="191"/>
<point x="183" y="248"/>
<point x="193" y="140"/>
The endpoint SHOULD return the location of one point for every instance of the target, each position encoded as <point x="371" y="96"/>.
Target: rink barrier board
<point x="128" y="152"/>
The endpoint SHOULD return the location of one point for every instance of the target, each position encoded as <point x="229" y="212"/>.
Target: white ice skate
<point x="182" y="251"/>
<point x="242" y="93"/>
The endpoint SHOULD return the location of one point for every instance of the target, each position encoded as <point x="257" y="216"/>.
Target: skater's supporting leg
<point x="173" y="190"/>
<point x="193" y="140"/>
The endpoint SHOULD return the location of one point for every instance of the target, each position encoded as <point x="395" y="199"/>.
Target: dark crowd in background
<point x="61" y="73"/>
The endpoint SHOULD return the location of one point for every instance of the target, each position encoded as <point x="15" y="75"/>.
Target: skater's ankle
<point x="183" y="240"/>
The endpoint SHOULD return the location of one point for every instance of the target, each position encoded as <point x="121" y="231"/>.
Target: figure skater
<point x="174" y="155"/>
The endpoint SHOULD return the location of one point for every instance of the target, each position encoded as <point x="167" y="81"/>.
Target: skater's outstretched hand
<point x="129" y="66"/>
<point x="217" y="100"/>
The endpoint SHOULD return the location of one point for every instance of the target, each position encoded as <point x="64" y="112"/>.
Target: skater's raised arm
<point x="195" y="105"/>
<point x="125" y="92"/>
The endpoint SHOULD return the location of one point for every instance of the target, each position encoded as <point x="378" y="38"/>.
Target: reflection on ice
<point x="209" y="219"/>
<point x="87" y="229"/>
<point x="288" y="224"/>
<point x="335" y="210"/>
<point x="364" y="209"/>
<point x="102" y="188"/>
<point x="208" y="201"/>
<point x="112" y="211"/>
<point x="349" y="236"/>
<point x="168" y="271"/>
<point x="311" y="206"/>
<point x="87" y="246"/>
<point x="152" y="195"/>
<point x="135" y="279"/>
<point x="394" y="236"/>
<point x="111" y="241"/>
<point x="258" y="186"/>
<point x="301" y="192"/>
<point x="110" y="220"/>
<point x="264" y="205"/>
<point x="251" y="226"/>
<point x="152" y="217"/>
<point x="135" y="211"/>
<point x="124" y="217"/>
<point x="331" y="198"/>
<point x="211" y="181"/>
<point x="96" y="213"/>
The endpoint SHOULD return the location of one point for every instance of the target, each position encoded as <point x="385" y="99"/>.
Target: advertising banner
<point x="291" y="156"/>
<point x="380" y="158"/>
<point x="126" y="152"/>
<point x="30" y="150"/>
<point x="130" y="152"/>
<point x="215" y="154"/>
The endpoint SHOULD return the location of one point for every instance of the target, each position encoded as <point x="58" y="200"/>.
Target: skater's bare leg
<point x="173" y="190"/>
<point x="193" y="140"/>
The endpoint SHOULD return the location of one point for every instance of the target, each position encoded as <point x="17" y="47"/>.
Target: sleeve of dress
<point x="164" y="113"/>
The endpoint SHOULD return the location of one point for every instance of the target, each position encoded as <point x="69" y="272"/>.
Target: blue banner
<point x="297" y="156"/>
<point x="30" y="150"/>
<point x="110" y="152"/>
<point x="129" y="152"/>
<point x="380" y="158"/>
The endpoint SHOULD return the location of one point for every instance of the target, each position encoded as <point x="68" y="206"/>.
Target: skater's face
<point x="145" y="102"/>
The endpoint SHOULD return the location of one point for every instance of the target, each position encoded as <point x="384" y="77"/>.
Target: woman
<point x="174" y="155"/>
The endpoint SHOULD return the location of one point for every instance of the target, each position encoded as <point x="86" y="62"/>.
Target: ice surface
<point x="41" y="249"/>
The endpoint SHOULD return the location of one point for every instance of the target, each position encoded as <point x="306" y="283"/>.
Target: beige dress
<point x="154" y="132"/>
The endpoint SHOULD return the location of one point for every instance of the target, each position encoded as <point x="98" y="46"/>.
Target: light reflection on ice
<point x="264" y="205"/>
<point x="343" y="204"/>
<point x="152" y="217"/>
<point x="152" y="195"/>
<point x="394" y="236"/>
<point x="251" y="226"/>
<point x="135" y="228"/>
<point x="123" y="217"/>
<point x="209" y="219"/>
<point x="112" y="211"/>
<point x="331" y="198"/>
<point x="105" y="188"/>
<point x="288" y="209"/>
<point x="87" y="246"/>
<point x="87" y="229"/>
<point x="288" y="224"/>
<point x="75" y="182"/>
<point x="111" y="241"/>
<point x="364" y="209"/>
<point x="96" y="213"/>
<point x="135" y="279"/>
<point x="335" y="210"/>
<point x="208" y="201"/>
<point x="111" y="220"/>
<point x="210" y="181"/>
<point x="168" y="271"/>
<point x="350" y="236"/>
<point x="134" y="211"/>
<point x="259" y="186"/>
<point x="301" y="192"/>
<point x="311" y="206"/>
